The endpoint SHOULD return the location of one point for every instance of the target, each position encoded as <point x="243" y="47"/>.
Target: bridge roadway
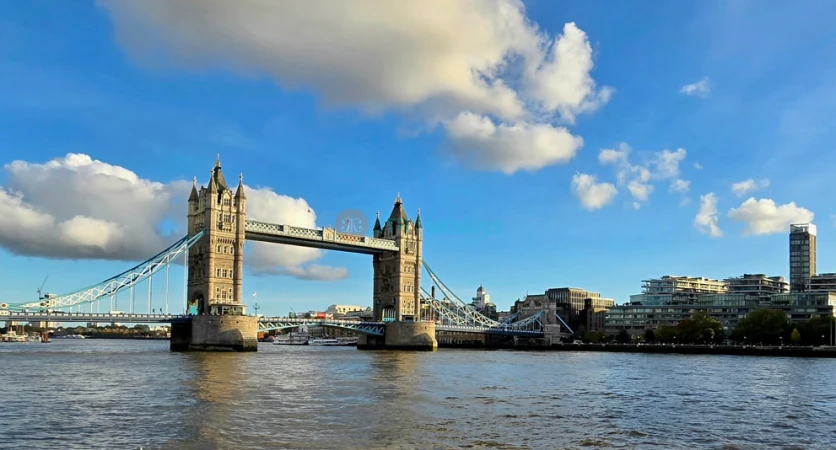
<point x="264" y="323"/>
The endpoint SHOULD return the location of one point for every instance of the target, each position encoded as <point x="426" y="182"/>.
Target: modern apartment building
<point x="676" y="290"/>
<point x="823" y="282"/>
<point x="576" y="298"/>
<point x="594" y="318"/>
<point x="573" y="302"/>
<point x="670" y="283"/>
<point x="757" y="285"/>
<point x="802" y="256"/>
<point x="729" y="309"/>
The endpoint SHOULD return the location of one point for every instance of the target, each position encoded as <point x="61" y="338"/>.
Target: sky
<point x="590" y="144"/>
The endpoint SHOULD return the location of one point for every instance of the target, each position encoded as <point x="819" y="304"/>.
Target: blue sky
<point x="325" y="110"/>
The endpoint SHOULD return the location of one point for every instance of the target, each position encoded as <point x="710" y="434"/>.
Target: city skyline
<point x="539" y="173"/>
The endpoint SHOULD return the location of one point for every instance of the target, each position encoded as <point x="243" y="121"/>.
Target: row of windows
<point x="225" y="294"/>
<point x="223" y="273"/>
<point x="226" y="249"/>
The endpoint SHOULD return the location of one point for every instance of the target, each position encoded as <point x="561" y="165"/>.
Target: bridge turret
<point x="239" y="193"/>
<point x="377" y="231"/>
<point x="419" y="228"/>
<point x="397" y="283"/>
<point x="239" y="219"/>
<point x="216" y="264"/>
<point x="194" y="225"/>
<point x="193" y="197"/>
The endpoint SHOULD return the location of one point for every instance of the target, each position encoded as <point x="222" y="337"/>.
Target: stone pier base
<point x="215" y="334"/>
<point x="402" y="336"/>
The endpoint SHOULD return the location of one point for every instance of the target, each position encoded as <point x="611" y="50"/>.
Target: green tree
<point x="666" y="334"/>
<point x="649" y="336"/>
<point x="593" y="336"/>
<point x="579" y="334"/>
<point x="795" y="337"/>
<point x="766" y="326"/>
<point x="623" y="337"/>
<point x="700" y="328"/>
<point x="816" y="331"/>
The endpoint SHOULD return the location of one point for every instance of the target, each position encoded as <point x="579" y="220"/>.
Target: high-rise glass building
<point x="802" y="256"/>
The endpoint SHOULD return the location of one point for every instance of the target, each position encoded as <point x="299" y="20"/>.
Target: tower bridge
<point x="405" y="316"/>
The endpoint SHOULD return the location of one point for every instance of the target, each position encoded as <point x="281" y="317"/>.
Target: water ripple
<point x="131" y="394"/>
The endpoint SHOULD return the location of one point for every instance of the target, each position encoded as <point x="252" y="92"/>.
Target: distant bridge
<point x="264" y="323"/>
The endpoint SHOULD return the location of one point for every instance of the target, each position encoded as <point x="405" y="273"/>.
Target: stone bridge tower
<point x="216" y="263"/>
<point x="397" y="275"/>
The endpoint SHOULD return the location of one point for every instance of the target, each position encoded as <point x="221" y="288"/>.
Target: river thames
<point x="113" y="394"/>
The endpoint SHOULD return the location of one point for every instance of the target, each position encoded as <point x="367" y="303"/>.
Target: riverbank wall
<point x="739" y="350"/>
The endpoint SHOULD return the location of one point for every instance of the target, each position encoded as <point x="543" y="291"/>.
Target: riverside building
<point x="571" y="304"/>
<point x="658" y="307"/>
<point x="823" y="282"/>
<point x="757" y="285"/>
<point x="667" y="301"/>
<point x="671" y="289"/>
<point x="802" y="256"/>
<point x="728" y="309"/>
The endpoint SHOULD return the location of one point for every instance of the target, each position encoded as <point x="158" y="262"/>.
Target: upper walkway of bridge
<point x="326" y="238"/>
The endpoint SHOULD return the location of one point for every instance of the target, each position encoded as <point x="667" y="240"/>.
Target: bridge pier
<point x="402" y="336"/>
<point x="222" y="333"/>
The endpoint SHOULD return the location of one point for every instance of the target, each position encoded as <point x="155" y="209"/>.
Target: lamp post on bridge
<point x="256" y="306"/>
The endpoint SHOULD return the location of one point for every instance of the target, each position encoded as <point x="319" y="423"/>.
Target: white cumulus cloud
<point x="707" y="220"/>
<point x="639" y="178"/>
<point x="640" y="191"/>
<point x="747" y="187"/>
<point x="592" y="194"/>
<point x="478" y="143"/>
<point x="434" y="60"/>
<point x="764" y="216"/>
<point x="76" y="207"/>
<point x="265" y="205"/>
<point x="699" y="89"/>
<point x="680" y="186"/>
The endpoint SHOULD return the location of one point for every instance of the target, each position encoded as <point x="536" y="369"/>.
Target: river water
<point x="112" y="394"/>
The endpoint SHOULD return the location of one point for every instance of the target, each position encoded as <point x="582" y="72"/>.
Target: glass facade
<point x="802" y="256"/>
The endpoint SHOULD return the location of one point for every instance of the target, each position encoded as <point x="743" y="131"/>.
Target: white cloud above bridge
<point x="76" y="207"/>
<point x="501" y="89"/>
